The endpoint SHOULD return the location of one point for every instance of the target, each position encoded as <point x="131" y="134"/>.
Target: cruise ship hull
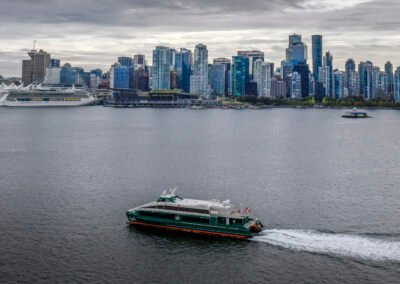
<point x="87" y="102"/>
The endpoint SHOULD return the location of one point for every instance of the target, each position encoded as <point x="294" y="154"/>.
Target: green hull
<point x="178" y="225"/>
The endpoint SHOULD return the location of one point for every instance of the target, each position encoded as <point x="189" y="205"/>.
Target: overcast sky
<point x="93" y="33"/>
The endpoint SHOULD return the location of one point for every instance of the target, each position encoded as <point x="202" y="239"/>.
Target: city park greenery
<point x="312" y="102"/>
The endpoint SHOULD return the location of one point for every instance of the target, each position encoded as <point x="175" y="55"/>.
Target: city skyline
<point x="93" y="34"/>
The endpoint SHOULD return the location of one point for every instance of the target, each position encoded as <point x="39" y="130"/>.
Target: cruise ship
<point x="213" y="218"/>
<point x="38" y="96"/>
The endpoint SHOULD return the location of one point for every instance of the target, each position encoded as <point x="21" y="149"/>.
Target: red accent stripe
<point x="135" y="223"/>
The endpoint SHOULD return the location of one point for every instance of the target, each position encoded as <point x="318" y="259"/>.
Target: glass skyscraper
<point x="161" y="68"/>
<point x="316" y="54"/>
<point x="240" y="75"/>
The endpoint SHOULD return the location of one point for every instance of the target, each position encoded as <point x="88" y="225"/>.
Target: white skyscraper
<point x="263" y="77"/>
<point x="199" y="84"/>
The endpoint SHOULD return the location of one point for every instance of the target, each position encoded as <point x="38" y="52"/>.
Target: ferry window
<point x="221" y="220"/>
<point x="195" y="219"/>
<point x="157" y="215"/>
<point x="235" y="221"/>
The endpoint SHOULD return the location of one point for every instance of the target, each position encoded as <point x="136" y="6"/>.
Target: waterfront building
<point x="119" y="77"/>
<point x="389" y="77"/>
<point x="227" y="63"/>
<point x="396" y="82"/>
<point x="161" y="68"/>
<point x="239" y="75"/>
<point x="67" y="75"/>
<point x="278" y="87"/>
<point x="183" y="66"/>
<point x="34" y="69"/>
<point x="304" y="72"/>
<point x="53" y="75"/>
<point x="218" y="79"/>
<point x="263" y="76"/>
<point x="83" y="79"/>
<point x="252" y="55"/>
<point x="338" y="84"/>
<point x="141" y="79"/>
<point x="199" y="80"/>
<point x="324" y="80"/>
<point x="365" y="75"/>
<point x="375" y="82"/>
<point x="350" y="69"/>
<point x="295" y="85"/>
<point x="316" y="54"/>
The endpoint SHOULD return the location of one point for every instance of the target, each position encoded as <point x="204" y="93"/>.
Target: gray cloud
<point x="94" y="32"/>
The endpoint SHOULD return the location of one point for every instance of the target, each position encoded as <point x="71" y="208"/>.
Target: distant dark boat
<point x="355" y="114"/>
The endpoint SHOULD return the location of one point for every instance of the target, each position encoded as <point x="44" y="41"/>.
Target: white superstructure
<point x="32" y="96"/>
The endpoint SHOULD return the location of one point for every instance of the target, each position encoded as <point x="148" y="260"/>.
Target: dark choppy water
<point x="327" y="189"/>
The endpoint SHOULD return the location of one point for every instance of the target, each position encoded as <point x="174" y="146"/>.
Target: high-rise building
<point x="199" y="80"/>
<point x="263" y="78"/>
<point x="328" y="62"/>
<point x="54" y="62"/>
<point x="304" y="71"/>
<point x="316" y="54"/>
<point x="338" y="84"/>
<point x="227" y="63"/>
<point x="396" y="82"/>
<point x="296" y="53"/>
<point x="34" y="69"/>
<point x="139" y="59"/>
<point x="389" y="77"/>
<point x="161" y="68"/>
<point x="141" y="79"/>
<point x="53" y="75"/>
<point x="183" y="67"/>
<point x="325" y="81"/>
<point x="239" y="75"/>
<point x="218" y="79"/>
<point x="252" y="55"/>
<point x="125" y="61"/>
<point x="350" y="70"/>
<point x="295" y="85"/>
<point x="365" y="75"/>
<point x="67" y="75"/>
<point x="278" y="87"/>
<point x="119" y="76"/>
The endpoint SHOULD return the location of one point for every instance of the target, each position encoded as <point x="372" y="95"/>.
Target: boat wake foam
<point x="331" y="243"/>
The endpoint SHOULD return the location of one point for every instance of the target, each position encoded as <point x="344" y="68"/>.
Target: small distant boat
<point x="213" y="218"/>
<point x="196" y="107"/>
<point x="355" y="114"/>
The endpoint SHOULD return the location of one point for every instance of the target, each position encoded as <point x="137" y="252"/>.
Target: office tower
<point x="199" y="79"/>
<point x="304" y="72"/>
<point x="161" y="68"/>
<point x="338" y="84"/>
<point x="389" y="77"/>
<point x="227" y="63"/>
<point x="328" y="62"/>
<point x="34" y="69"/>
<point x="252" y="55"/>
<point x="325" y="81"/>
<point x="353" y="85"/>
<point x="296" y="53"/>
<point x="295" y="85"/>
<point x="263" y="78"/>
<point x="382" y="84"/>
<point x="125" y="61"/>
<point x="218" y="79"/>
<point x="183" y="66"/>
<point x="365" y="75"/>
<point x="53" y="75"/>
<point x="396" y="83"/>
<point x="54" y="63"/>
<point x="239" y="75"/>
<point x="350" y="69"/>
<point x="375" y="82"/>
<point x="83" y="79"/>
<point x="278" y="87"/>
<point x="316" y="55"/>
<point x="141" y="79"/>
<point x="67" y="75"/>
<point x="139" y="59"/>
<point x="119" y="76"/>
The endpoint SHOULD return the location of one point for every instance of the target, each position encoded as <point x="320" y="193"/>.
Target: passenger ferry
<point x="214" y="218"/>
<point x="355" y="114"/>
<point x="38" y="96"/>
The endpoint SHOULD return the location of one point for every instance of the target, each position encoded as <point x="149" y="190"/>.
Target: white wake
<point x="329" y="243"/>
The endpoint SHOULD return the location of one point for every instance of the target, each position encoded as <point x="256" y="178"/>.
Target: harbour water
<point x="327" y="190"/>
